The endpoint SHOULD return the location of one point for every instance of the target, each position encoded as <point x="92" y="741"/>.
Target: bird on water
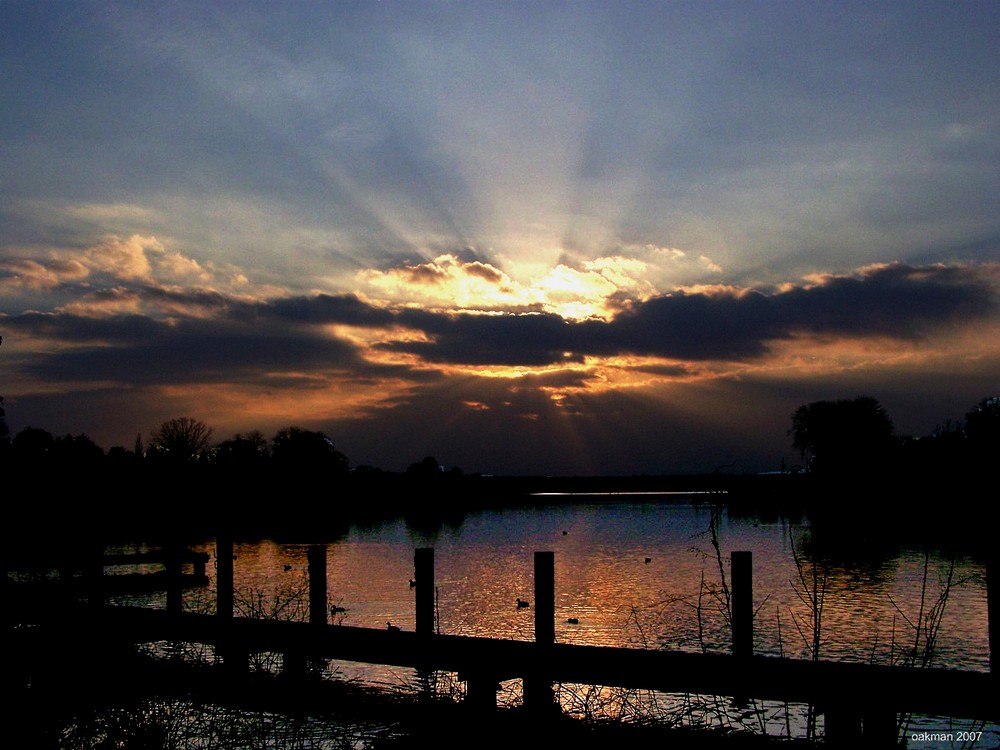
<point x="522" y="604"/>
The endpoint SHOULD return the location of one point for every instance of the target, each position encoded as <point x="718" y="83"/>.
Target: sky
<point x="521" y="237"/>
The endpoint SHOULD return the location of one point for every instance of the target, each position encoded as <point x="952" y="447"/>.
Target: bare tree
<point x="182" y="440"/>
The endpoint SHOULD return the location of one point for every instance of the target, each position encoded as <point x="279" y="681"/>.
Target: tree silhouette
<point x="307" y="450"/>
<point x="242" y="451"/>
<point x="32" y="445"/>
<point x="428" y="467"/>
<point x="77" y="451"/>
<point x="182" y="440"/>
<point x="845" y="437"/>
<point x="982" y="430"/>
<point x="4" y="429"/>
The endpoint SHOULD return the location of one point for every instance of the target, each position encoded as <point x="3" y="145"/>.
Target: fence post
<point x="423" y="584"/>
<point x="174" y="580"/>
<point x="878" y="727"/>
<point x="224" y="578"/>
<point x="235" y="660"/>
<point x="537" y="684"/>
<point x="295" y="660"/>
<point x="742" y="577"/>
<point x="545" y="598"/>
<point x="841" y="727"/>
<point x="94" y="574"/>
<point x="993" y="609"/>
<point x="316" y="556"/>
<point x="199" y="566"/>
<point x="480" y="692"/>
<point x="294" y="665"/>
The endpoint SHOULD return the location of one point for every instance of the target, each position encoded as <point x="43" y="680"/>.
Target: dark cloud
<point x="194" y="351"/>
<point x="689" y="326"/>
<point x="206" y="299"/>
<point x="537" y="339"/>
<point x="897" y="301"/>
<point x="666" y="371"/>
<point x="424" y="274"/>
<point x="484" y="272"/>
<point x="345" y="309"/>
<point x="243" y="339"/>
<point x="119" y="330"/>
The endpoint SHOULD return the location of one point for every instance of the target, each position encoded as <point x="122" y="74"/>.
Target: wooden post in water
<point x="878" y="727"/>
<point x="480" y="692"/>
<point x="537" y="684"/>
<point x="317" y="584"/>
<point x="199" y="566"/>
<point x="235" y="660"/>
<point x="224" y="578"/>
<point x="93" y="573"/>
<point x="842" y="727"/>
<point x="545" y="598"/>
<point x="295" y="661"/>
<point x="423" y="584"/>
<point x="174" y="580"/>
<point x="742" y="578"/>
<point x="294" y="665"/>
<point x="993" y="609"/>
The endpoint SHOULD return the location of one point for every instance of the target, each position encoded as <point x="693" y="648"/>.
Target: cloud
<point x="529" y="340"/>
<point x="154" y="332"/>
<point x="577" y="290"/>
<point x="446" y="281"/>
<point x="137" y="350"/>
<point x="320" y="309"/>
<point x="897" y="301"/>
<point x="485" y="272"/>
<point x="39" y="275"/>
<point x="124" y="259"/>
<point x="557" y="379"/>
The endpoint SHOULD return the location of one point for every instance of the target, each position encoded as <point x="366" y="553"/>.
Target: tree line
<point x="186" y="443"/>
<point x="834" y="438"/>
<point x="856" y="437"/>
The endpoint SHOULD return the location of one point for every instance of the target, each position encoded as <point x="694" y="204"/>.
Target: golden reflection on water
<point x="643" y="575"/>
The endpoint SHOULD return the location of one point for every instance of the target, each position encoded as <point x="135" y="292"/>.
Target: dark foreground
<point x="132" y="701"/>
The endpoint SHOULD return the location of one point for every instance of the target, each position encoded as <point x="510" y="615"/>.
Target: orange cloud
<point x="35" y="275"/>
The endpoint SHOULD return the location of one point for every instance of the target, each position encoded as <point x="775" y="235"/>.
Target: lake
<point x="644" y="572"/>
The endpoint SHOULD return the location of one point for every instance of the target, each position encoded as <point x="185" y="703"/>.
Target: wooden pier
<point x="860" y="701"/>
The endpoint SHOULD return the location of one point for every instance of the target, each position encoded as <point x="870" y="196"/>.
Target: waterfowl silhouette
<point x="390" y="627"/>
<point x="573" y="621"/>
<point x="522" y="604"/>
<point x="413" y="583"/>
<point x="286" y="566"/>
<point x="334" y="609"/>
<point x="649" y="560"/>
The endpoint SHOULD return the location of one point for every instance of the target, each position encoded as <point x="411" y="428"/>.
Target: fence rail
<point x="860" y="701"/>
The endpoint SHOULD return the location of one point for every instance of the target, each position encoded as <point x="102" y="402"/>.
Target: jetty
<point x="860" y="702"/>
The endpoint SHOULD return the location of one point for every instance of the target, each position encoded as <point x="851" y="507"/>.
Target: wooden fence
<point x="860" y="702"/>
